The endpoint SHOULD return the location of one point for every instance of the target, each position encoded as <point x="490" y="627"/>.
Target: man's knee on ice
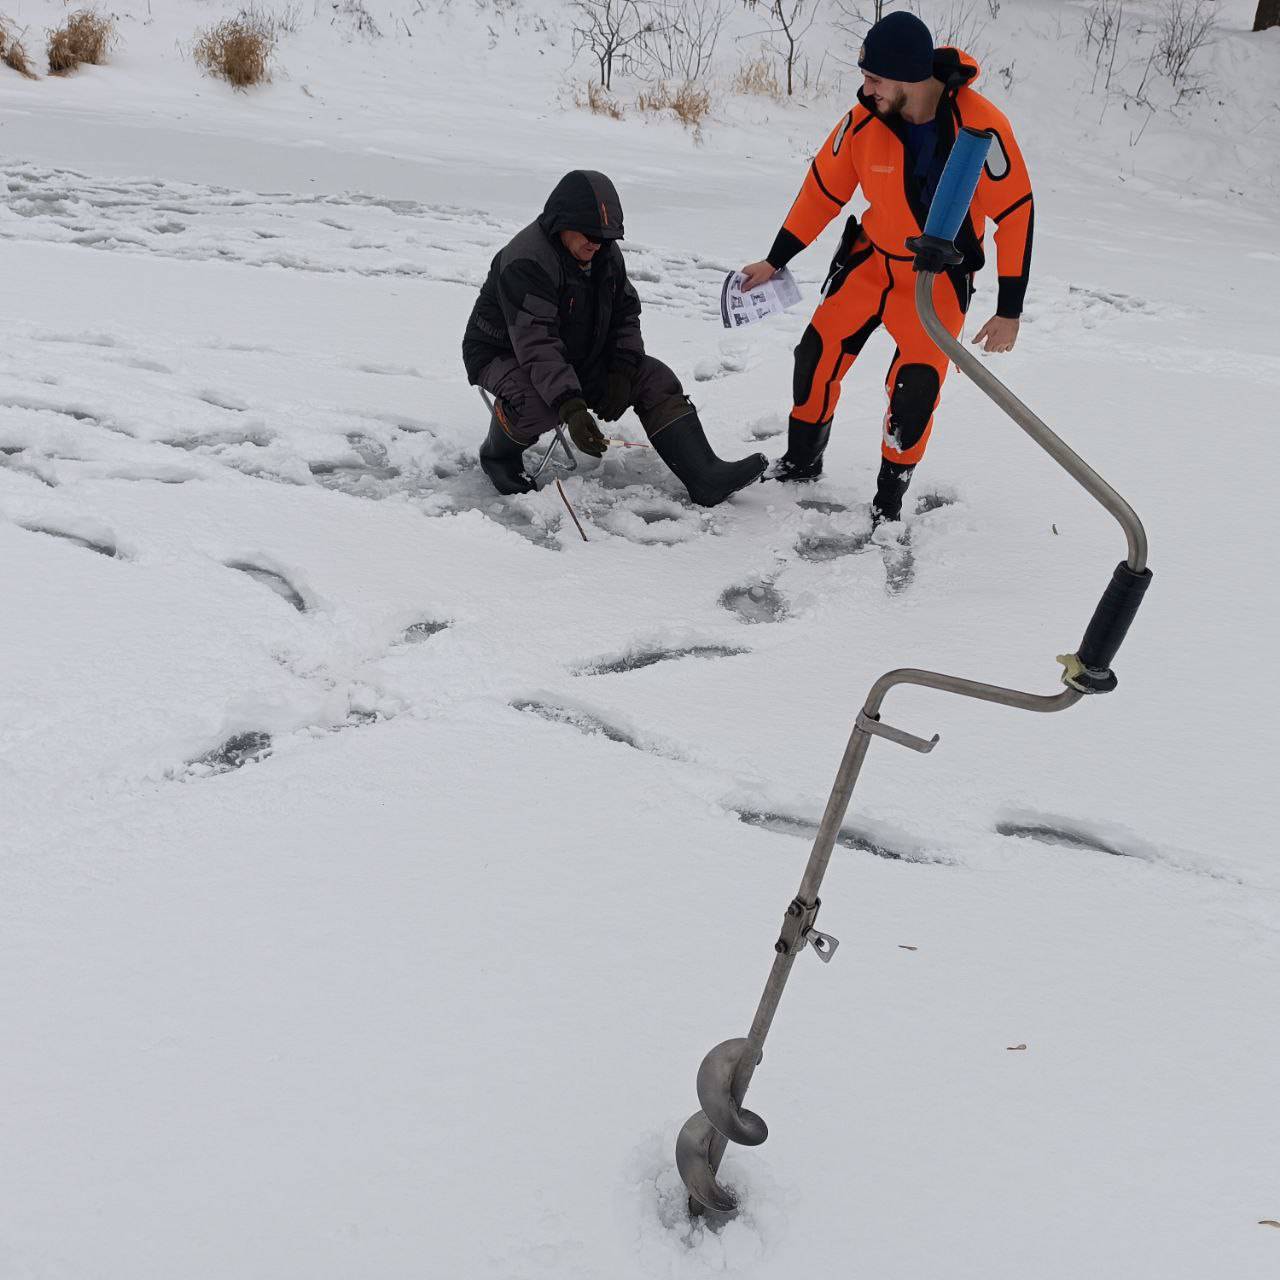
<point x="912" y="400"/>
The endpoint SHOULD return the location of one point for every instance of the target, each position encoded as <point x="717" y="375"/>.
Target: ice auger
<point x="725" y="1073"/>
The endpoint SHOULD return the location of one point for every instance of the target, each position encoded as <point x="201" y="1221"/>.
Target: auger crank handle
<point x="936" y="249"/>
<point x="1089" y="668"/>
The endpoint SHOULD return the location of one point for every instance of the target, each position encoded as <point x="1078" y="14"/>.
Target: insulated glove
<point x="619" y="390"/>
<point x="575" y="415"/>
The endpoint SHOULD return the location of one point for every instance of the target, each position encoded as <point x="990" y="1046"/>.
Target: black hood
<point x="584" y="201"/>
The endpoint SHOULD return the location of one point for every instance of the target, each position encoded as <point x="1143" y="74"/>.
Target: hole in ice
<point x="417" y="632"/>
<point x="821" y="504"/>
<point x="237" y="751"/>
<point x="649" y="657"/>
<point x="102" y="548"/>
<point x="848" y="837"/>
<point x="275" y="581"/>
<point x="1069" y="837"/>
<point x="757" y="601"/>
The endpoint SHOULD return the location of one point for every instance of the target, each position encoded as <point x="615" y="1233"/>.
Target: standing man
<point x="555" y="336"/>
<point x="893" y="145"/>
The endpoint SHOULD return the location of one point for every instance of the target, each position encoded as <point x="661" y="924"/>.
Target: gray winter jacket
<point x="564" y="325"/>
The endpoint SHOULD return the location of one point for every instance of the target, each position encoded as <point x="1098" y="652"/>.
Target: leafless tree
<point x="610" y="29"/>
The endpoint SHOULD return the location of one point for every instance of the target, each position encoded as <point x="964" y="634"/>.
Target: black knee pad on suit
<point x="912" y="402"/>
<point x="808" y="353"/>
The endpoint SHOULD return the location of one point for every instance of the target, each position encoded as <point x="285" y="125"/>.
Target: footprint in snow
<point x="417" y="632"/>
<point x="592" y="725"/>
<point x="276" y="582"/>
<point x="817" y="548"/>
<point x="100" y="543"/>
<point x="863" y="840"/>
<point x="638" y="659"/>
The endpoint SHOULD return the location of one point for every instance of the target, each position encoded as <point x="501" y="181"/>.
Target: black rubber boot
<point x="891" y="488"/>
<point x="502" y="459"/>
<point x="677" y="437"/>
<point x="805" y="446"/>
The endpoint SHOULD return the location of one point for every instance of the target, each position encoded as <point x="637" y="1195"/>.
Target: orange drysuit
<point x="871" y="281"/>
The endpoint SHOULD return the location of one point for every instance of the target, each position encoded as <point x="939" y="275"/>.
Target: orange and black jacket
<point x="869" y="151"/>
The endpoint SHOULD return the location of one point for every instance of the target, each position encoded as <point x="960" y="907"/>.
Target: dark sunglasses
<point x="595" y="240"/>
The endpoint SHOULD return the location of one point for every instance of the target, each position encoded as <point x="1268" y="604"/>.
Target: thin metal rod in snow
<point x="726" y="1072"/>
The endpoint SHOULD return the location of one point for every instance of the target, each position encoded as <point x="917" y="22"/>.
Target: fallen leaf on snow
<point x="902" y="946"/>
<point x="1014" y="1047"/>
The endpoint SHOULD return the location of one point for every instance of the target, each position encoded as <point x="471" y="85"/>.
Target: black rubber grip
<point x="1110" y="622"/>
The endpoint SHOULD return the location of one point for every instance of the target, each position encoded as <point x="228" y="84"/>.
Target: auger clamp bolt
<point x="1075" y="675"/>
<point x="798" y="930"/>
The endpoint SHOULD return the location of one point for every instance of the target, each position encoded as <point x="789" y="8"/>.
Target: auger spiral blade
<point x="715" y="1092"/>
<point x="693" y="1160"/>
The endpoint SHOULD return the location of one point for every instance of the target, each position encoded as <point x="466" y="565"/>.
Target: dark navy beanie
<point x="898" y="47"/>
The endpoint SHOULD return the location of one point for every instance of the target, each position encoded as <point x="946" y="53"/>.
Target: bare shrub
<point x="86" y="36"/>
<point x="599" y="101"/>
<point x="759" y="77"/>
<point x="680" y="42"/>
<point x="789" y="22"/>
<point x="956" y="24"/>
<point x="12" y="52"/>
<point x="360" y="19"/>
<point x="1185" y="27"/>
<point x="238" y="50"/>
<point x="1103" y="27"/>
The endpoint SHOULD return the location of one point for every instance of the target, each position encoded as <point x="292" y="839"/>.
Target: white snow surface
<point x="421" y="987"/>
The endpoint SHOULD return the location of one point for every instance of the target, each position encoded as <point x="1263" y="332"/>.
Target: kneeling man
<point x="555" y="336"/>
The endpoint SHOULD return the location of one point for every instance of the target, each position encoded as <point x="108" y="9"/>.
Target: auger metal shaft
<point x="702" y="1145"/>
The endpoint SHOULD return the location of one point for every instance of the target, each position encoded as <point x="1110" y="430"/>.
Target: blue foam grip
<point x="958" y="183"/>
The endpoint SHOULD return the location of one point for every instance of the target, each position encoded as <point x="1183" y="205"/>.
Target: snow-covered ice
<point x="379" y="859"/>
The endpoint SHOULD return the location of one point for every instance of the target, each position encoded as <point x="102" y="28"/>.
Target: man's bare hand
<point x="756" y="274"/>
<point x="1000" y="334"/>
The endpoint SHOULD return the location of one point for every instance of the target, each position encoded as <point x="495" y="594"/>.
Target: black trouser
<point x="525" y="415"/>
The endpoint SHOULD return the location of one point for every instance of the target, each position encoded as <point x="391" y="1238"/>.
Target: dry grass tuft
<point x="12" y="52"/>
<point x="84" y="37"/>
<point x="656" y="98"/>
<point x="599" y="101"/>
<point x="690" y="104"/>
<point x="238" y="49"/>
<point x="758" y="77"/>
